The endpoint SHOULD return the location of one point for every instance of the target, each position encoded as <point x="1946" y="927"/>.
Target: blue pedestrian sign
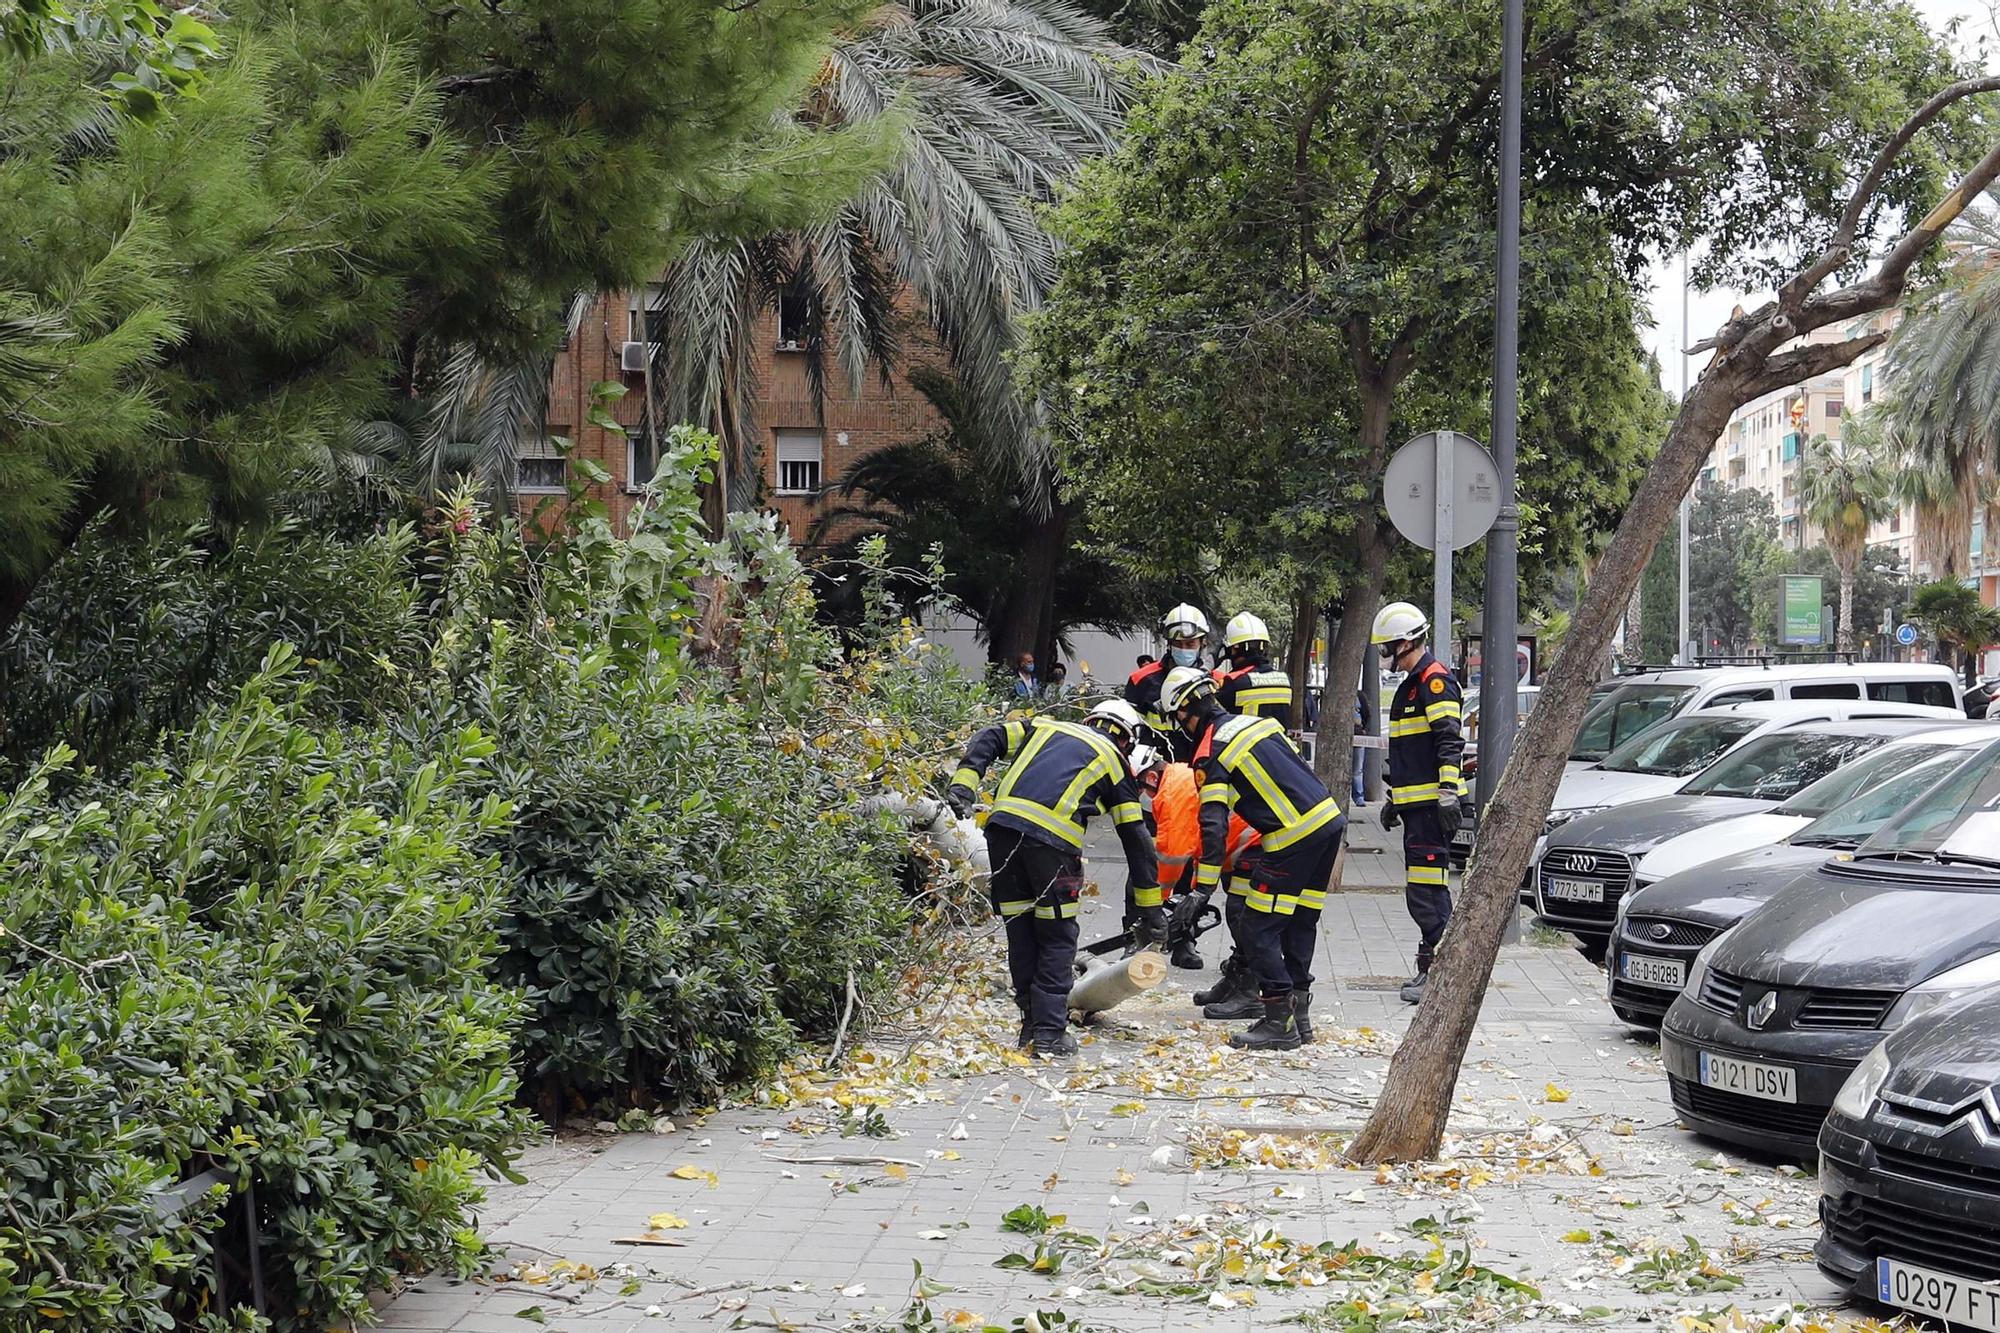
<point x="1906" y="634"/>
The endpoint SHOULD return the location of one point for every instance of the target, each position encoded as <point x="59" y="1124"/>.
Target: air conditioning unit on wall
<point x="632" y="357"/>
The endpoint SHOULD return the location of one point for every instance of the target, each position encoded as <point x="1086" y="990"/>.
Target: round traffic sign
<point x="1906" y="634"/>
<point x="1409" y="489"/>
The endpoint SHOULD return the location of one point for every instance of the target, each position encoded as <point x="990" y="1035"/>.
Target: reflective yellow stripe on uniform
<point x="1240" y="885"/>
<point x="1127" y="812"/>
<point x="1040" y="816"/>
<point x="1443" y="708"/>
<point x="966" y="778"/>
<point x="1408" y="726"/>
<point x="1016" y="907"/>
<point x="1218" y="791"/>
<point x="1426" y="875"/>
<point x="1313" y="898"/>
<point x="1448" y="777"/>
<point x="1207" y="876"/>
<point x="1049" y="913"/>
<point x="1263" y="696"/>
<point x="1315" y="819"/>
<point x="1147" y="897"/>
<point x="1423" y="791"/>
<point x="1258" y="900"/>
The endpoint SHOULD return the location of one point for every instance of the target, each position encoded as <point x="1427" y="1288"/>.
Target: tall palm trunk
<point x="1844" y="638"/>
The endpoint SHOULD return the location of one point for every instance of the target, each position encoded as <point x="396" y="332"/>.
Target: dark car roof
<point x="1881" y="926"/>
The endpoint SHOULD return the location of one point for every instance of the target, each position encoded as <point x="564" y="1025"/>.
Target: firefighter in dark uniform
<point x="1061" y="773"/>
<point x="1250" y="685"/>
<point x="1185" y="629"/>
<point x="1249" y="767"/>
<point x="1424" y="790"/>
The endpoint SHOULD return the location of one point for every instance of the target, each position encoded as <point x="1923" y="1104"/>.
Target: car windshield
<point x="1957" y="819"/>
<point x="1855" y="820"/>
<point x="1773" y="767"/>
<point x="1840" y="786"/>
<point x="1677" y="749"/>
<point x="1622" y="715"/>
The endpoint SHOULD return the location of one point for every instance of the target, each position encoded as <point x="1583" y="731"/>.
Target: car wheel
<point x="1592" y="948"/>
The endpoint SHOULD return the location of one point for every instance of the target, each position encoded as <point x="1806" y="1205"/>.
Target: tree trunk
<point x="1409" y="1118"/>
<point x="1843" y="639"/>
<point x="1025" y="623"/>
<point x="1298" y="661"/>
<point x="1347" y="666"/>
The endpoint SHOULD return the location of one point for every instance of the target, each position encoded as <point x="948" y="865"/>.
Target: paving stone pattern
<point x="776" y="1243"/>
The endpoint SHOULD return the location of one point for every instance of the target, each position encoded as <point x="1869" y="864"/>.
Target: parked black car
<point x="1910" y="1169"/>
<point x="1663" y="925"/>
<point x="1780" y="1009"/>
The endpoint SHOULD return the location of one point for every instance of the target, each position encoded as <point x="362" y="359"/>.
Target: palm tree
<point x="1003" y="100"/>
<point x="1953" y="614"/>
<point x="1844" y="489"/>
<point x="1944" y="408"/>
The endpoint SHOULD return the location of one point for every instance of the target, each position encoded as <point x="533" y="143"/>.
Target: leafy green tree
<point x="201" y="305"/>
<point x="1733" y="536"/>
<point x="1954" y="615"/>
<point x="1845" y="490"/>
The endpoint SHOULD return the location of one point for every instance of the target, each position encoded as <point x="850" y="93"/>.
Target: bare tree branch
<point x="1841" y="248"/>
<point x="1803" y="363"/>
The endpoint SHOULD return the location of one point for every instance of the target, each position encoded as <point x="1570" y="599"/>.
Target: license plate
<point x="1957" y="1300"/>
<point x="1462" y="838"/>
<point x="1747" y="1078"/>
<point x="1668" y="972"/>
<point x="1574" y="890"/>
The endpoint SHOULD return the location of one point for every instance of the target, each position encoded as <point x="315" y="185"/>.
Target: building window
<point x="800" y="454"/>
<point x="539" y="468"/>
<point x="794" y="321"/>
<point x="1833" y="406"/>
<point x="1791" y="445"/>
<point x="646" y="319"/>
<point x="1867" y="384"/>
<point x="1895" y="520"/>
<point x="642" y="457"/>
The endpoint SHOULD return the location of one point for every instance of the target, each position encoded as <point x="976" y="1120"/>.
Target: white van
<point x="1645" y="698"/>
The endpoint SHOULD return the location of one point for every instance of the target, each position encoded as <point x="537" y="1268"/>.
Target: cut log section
<point x="1104" y="985"/>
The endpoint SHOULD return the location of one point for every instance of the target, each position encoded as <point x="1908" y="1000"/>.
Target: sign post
<point x="1442" y="492"/>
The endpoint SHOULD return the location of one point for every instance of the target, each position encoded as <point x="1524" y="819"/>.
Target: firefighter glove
<point x="1152" y="925"/>
<point x="1389" y="816"/>
<point x="1449" y="814"/>
<point x="960" y="800"/>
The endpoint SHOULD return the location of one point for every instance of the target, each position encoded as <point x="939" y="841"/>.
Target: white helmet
<point x="1182" y="687"/>
<point x="1144" y="757"/>
<point x="1400" y="620"/>
<point x="1245" y="628"/>
<point x="1120" y="715"/>
<point x="1184" y="622"/>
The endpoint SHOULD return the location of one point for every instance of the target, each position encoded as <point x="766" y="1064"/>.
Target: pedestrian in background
<point x="1057" y="689"/>
<point x="1025" y="686"/>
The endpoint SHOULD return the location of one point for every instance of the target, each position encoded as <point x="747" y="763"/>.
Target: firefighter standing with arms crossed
<point x="1424" y="750"/>
<point x="1062" y="772"/>
<point x="1248" y="766"/>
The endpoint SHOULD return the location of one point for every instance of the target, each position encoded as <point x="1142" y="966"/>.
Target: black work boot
<point x="1242" y="1003"/>
<point x="1413" y="989"/>
<point x="1302" y="1016"/>
<point x="1275" y="1031"/>
<point x="1027" y="1032"/>
<point x="1225" y="985"/>
<point x="1057" y="1045"/>
<point x="1185" y="955"/>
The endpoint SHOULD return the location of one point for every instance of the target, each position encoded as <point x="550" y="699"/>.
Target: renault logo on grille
<point x="1759" y="1013"/>
<point x="1661" y="930"/>
<point x="1581" y="863"/>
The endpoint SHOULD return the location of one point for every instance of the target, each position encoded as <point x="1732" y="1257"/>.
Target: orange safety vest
<point x="1177" y="827"/>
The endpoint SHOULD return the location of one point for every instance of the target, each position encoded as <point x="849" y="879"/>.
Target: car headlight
<point x="1942" y="989"/>
<point x="1857" y="1095"/>
<point x="1618" y="917"/>
<point x="1557" y="818"/>
<point x="1698" y="969"/>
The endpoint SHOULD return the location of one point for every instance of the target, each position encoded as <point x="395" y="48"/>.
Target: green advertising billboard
<point x="1799" y="601"/>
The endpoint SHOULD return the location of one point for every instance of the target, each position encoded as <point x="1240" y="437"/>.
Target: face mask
<point x="1184" y="656"/>
<point x="1028" y="668"/>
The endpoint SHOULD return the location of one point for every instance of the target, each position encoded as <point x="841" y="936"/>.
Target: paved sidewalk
<point x="1159" y="1146"/>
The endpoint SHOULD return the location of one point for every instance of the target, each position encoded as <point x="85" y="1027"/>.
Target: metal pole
<point x="1441" y="643"/>
<point x="1685" y="651"/>
<point x="1497" y="679"/>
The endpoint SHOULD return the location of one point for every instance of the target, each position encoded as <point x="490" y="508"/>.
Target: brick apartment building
<point x="801" y="451"/>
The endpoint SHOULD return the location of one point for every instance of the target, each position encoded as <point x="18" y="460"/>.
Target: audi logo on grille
<point x="1661" y="930"/>
<point x="1576" y="863"/>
